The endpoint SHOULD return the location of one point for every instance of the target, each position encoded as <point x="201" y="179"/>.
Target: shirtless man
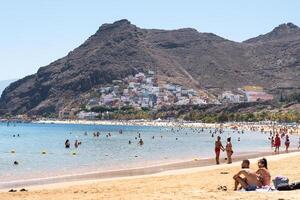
<point x="218" y="148"/>
<point x="247" y="178"/>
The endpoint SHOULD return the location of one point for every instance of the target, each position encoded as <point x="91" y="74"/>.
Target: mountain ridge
<point x="203" y="61"/>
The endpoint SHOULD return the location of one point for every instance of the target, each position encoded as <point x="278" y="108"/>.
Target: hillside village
<point x="142" y="91"/>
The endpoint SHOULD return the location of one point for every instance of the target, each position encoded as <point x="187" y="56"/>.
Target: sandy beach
<point x="192" y="183"/>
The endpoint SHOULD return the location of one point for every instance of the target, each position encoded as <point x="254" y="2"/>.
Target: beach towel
<point x="266" y="188"/>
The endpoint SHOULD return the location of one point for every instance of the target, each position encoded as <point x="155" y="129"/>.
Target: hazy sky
<point x="37" y="32"/>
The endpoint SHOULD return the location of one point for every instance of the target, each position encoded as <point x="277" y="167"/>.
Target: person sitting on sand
<point x="229" y="150"/>
<point x="218" y="148"/>
<point x="263" y="173"/>
<point x="247" y="178"/>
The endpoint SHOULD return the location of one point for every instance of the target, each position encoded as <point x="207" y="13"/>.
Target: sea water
<point x="107" y="153"/>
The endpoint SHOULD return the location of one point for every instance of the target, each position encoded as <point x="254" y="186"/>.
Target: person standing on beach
<point x="218" y="148"/>
<point x="272" y="142"/>
<point x="287" y="143"/>
<point x="229" y="150"/>
<point x="277" y="143"/>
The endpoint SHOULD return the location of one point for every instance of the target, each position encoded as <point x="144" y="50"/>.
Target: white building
<point x="230" y="97"/>
<point x="87" y="115"/>
<point x="184" y="101"/>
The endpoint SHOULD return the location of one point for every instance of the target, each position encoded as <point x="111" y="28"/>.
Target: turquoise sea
<point x="107" y="153"/>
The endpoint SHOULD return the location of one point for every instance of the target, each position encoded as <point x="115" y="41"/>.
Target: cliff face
<point x="185" y="56"/>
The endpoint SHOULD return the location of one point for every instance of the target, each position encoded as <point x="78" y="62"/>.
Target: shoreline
<point x="293" y="128"/>
<point x="139" y="171"/>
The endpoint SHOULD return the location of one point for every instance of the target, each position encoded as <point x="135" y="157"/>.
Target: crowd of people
<point x="275" y="139"/>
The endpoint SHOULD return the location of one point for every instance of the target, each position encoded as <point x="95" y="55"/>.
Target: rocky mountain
<point x="203" y="61"/>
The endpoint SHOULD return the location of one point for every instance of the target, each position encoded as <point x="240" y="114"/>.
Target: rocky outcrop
<point x="198" y="60"/>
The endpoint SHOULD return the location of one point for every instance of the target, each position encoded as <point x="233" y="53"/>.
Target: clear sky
<point x="37" y="32"/>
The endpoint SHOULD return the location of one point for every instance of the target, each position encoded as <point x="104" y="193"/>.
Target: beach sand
<point x="193" y="183"/>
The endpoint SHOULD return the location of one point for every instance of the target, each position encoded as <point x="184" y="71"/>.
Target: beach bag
<point x="280" y="181"/>
<point x="288" y="187"/>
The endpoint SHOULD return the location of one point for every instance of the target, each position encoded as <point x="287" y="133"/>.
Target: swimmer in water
<point x="76" y="144"/>
<point x="141" y="142"/>
<point x="67" y="144"/>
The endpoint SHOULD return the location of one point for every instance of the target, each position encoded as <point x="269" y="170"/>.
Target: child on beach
<point x="218" y="148"/>
<point x="229" y="150"/>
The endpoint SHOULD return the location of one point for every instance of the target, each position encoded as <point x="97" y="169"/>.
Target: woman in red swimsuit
<point x="277" y="143"/>
<point x="218" y="148"/>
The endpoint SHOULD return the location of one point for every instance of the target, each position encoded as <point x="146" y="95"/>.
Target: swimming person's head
<point x="229" y="139"/>
<point x="245" y="164"/>
<point x="262" y="163"/>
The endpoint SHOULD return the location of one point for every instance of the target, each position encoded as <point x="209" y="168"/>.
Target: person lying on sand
<point x="247" y="178"/>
